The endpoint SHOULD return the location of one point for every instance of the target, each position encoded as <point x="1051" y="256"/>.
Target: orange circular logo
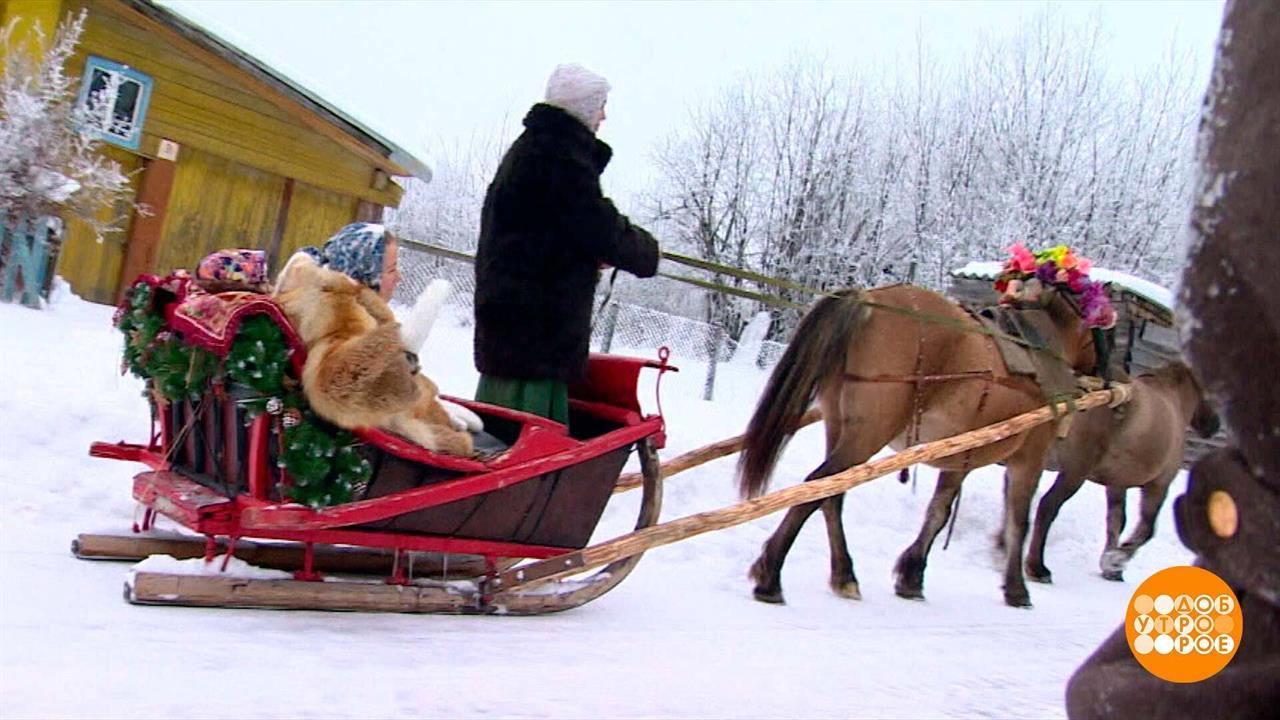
<point x="1183" y="624"/>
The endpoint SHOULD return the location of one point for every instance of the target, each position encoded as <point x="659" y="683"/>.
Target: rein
<point x="608" y="293"/>
<point x="955" y="324"/>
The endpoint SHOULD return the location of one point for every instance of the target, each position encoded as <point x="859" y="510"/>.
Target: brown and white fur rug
<point x="358" y="373"/>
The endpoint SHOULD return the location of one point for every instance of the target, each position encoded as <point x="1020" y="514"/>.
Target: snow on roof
<point x="1136" y="285"/>
<point x="218" y="34"/>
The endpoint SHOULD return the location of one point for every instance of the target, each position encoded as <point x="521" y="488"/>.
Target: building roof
<point x="1157" y="301"/>
<point x="397" y="155"/>
<point x="1136" y="285"/>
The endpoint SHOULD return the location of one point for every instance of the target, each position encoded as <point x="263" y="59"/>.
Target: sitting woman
<point x="356" y="375"/>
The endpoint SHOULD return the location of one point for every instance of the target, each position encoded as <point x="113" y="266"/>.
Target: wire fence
<point x="619" y="326"/>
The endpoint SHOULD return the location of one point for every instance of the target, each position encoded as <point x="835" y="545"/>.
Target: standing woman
<point x="546" y="231"/>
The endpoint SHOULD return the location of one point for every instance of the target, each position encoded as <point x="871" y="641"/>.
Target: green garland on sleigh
<point x="174" y="370"/>
<point x="323" y="461"/>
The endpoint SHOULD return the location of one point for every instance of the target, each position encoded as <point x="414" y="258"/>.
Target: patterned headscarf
<point x="356" y="251"/>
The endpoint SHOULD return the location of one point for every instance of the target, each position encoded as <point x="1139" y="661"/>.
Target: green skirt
<point x="548" y="398"/>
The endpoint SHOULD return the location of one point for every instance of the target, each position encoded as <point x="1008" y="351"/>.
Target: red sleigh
<point x="436" y="528"/>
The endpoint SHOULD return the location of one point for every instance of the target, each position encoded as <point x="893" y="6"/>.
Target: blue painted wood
<point x="25" y="248"/>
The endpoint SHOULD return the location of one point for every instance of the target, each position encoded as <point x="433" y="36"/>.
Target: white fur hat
<point x="577" y="91"/>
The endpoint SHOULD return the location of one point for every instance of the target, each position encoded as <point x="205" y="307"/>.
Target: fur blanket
<point x="358" y="372"/>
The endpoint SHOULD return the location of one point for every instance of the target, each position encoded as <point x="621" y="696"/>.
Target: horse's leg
<point x="766" y="572"/>
<point x="909" y="570"/>
<point x="1063" y="488"/>
<point x="998" y="537"/>
<point x="1153" y="495"/>
<point x="843" y="582"/>
<point x="852" y="437"/>
<point x="1115" y="526"/>
<point x="846" y="450"/>
<point x="1024" y="469"/>
<point x="767" y="569"/>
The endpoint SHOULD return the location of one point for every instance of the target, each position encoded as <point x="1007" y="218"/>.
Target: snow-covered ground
<point x="681" y="637"/>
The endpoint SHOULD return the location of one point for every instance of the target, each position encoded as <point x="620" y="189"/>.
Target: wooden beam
<point x="702" y="455"/>
<point x="223" y="591"/>
<point x="282" y="220"/>
<point x="147" y="228"/>
<point x="368" y="212"/>
<point x="278" y="556"/>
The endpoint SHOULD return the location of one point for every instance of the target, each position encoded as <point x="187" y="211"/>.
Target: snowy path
<point x="681" y="637"/>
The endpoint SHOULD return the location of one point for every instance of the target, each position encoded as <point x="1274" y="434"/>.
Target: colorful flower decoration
<point x="1026" y="274"/>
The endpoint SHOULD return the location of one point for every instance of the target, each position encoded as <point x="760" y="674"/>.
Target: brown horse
<point x="1138" y="444"/>
<point x="864" y="355"/>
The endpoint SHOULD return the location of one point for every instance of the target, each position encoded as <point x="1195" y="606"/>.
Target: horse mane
<point x="1172" y="374"/>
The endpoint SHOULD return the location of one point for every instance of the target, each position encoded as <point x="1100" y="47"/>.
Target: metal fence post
<point x="713" y="357"/>
<point x="610" y="326"/>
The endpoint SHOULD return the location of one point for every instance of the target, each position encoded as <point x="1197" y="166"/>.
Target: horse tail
<point x="817" y="350"/>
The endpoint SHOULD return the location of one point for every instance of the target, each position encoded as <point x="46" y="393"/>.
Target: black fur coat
<point x="545" y="230"/>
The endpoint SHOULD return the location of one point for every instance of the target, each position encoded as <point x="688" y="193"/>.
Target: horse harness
<point x="1023" y="344"/>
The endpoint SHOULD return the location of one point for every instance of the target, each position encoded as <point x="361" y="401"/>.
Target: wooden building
<point x="226" y="151"/>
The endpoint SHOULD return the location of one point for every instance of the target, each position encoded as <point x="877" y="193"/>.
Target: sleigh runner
<point x="437" y="528"/>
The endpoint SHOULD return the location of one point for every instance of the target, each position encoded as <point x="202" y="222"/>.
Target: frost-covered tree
<point x="49" y="159"/>
<point x="446" y="211"/>
<point x="831" y="179"/>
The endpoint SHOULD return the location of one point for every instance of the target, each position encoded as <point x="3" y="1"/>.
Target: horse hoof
<point x="908" y="574"/>
<point x="1112" y="565"/>
<point x="847" y="590"/>
<point x="1018" y="600"/>
<point x="908" y="592"/>
<point x="1040" y="575"/>
<point x="773" y="597"/>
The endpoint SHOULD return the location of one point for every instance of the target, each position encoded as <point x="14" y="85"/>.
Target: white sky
<point x="427" y="73"/>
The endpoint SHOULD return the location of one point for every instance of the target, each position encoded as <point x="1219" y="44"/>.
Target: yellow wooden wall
<point x="202" y="106"/>
<point x="92" y="268"/>
<point x="314" y="216"/>
<point x="217" y="203"/>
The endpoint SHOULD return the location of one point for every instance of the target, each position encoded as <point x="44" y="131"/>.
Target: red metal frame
<point x="129" y="452"/>
<point x="543" y="446"/>
<point x="259" y="468"/>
